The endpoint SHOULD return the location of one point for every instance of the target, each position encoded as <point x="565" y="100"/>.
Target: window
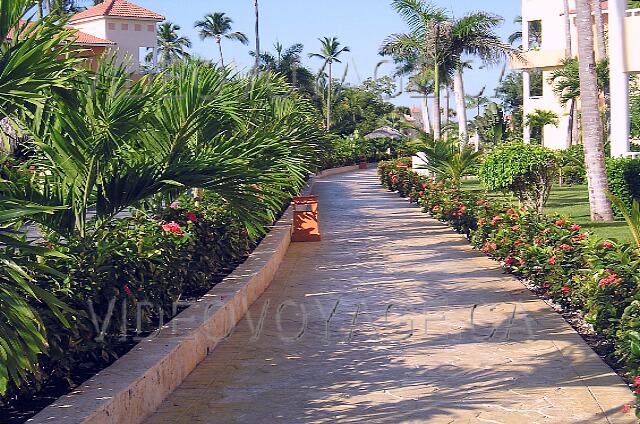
<point x="124" y="27"/>
<point x="536" y="82"/>
<point x="151" y="28"/>
<point x="535" y="35"/>
<point x="111" y="26"/>
<point x="137" y="27"/>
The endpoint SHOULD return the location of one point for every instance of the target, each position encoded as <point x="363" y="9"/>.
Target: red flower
<point x="552" y="260"/>
<point x="575" y="227"/>
<point x="612" y="279"/>
<point x="173" y="228"/>
<point x="607" y="245"/>
<point x="515" y="227"/>
<point x="565" y="289"/>
<point x="421" y="193"/>
<point x="514" y="216"/>
<point x="546" y="285"/>
<point x="493" y="246"/>
<point x="424" y="186"/>
<point x="174" y="205"/>
<point x="518" y="243"/>
<point x="481" y="221"/>
<point x="495" y="220"/>
<point x="636" y="381"/>
<point x="127" y="290"/>
<point x="485" y="247"/>
<point x="510" y="211"/>
<point x="191" y="216"/>
<point x="509" y="261"/>
<point x="560" y="222"/>
<point x="581" y="237"/>
<point x="566" y="247"/>
<point x="626" y="408"/>
<point x="538" y="242"/>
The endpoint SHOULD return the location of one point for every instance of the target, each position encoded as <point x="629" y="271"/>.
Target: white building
<point x="127" y="30"/>
<point x="544" y="41"/>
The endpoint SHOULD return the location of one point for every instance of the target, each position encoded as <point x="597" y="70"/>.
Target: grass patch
<point x="569" y="201"/>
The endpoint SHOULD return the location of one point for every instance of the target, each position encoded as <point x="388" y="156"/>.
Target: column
<point x="619" y="88"/>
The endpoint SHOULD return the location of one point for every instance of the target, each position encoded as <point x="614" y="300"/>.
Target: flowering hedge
<point x="573" y="267"/>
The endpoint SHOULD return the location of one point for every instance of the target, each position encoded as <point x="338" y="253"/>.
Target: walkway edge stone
<point x="134" y="386"/>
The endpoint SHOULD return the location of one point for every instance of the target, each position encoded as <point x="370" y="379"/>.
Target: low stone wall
<point x="135" y="385"/>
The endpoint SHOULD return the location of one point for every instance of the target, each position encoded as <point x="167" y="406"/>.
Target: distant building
<point x="544" y="41"/>
<point x="121" y="27"/>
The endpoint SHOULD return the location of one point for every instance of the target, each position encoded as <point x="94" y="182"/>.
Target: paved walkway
<point x="394" y="319"/>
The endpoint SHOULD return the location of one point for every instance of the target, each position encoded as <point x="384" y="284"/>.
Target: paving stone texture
<point x="393" y="318"/>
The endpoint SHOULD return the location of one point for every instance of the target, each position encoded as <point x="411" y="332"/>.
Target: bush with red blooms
<point x="601" y="278"/>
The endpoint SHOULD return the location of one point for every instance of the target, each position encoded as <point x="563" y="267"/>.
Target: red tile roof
<point x="117" y="8"/>
<point x="80" y="37"/>
<point x="88" y="39"/>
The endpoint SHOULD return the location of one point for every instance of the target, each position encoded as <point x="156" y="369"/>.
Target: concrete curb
<point x="134" y="386"/>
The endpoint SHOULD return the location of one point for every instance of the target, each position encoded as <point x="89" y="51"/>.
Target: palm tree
<point x="475" y="35"/>
<point x="422" y="83"/>
<point x="171" y="46"/>
<point x="592" y="133"/>
<point x="538" y="119"/>
<point x="448" y="161"/>
<point x="427" y="43"/>
<point x="330" y="52"/>
<point x="288" y="63"/>
<point x="601" y="48"/>
<point x="516" y="36"/>
<point x="257" y="13"/>
<point x="218" y="26"/>
<point x="37" y="61"/>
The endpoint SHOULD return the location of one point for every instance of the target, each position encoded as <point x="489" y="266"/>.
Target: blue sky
<point x="360" y="24"/>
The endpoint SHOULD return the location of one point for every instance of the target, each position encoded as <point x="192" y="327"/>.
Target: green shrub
<point x="526" y="170"/>
<point x="571" y="165"/>
<point x="624" y="180"/>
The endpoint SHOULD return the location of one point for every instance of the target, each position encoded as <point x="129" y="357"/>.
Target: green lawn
<point x="569" y="201"/>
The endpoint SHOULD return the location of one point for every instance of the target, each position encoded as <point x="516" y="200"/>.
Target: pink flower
<point x="552" y="260"/>
<point x="191" y="216"/>
<point x="485" y="247"/>
<point x="509" y="261"/>
<point x="607" y="245"/>
<point x="127" y="290"/>
<point x="481" y="221"/>
<point x="174" y="205"/>
<point x="421" y="193"/>
<point x="581" y="237"/>
<point x="575" y="227"/>
<point x="495" y="220"/>
<point x="518" y="243"/>
<point x="515" y="227"/>
<point x="173" y="228"/>
<point x="636" y="381"/>
<point x="560" y="222"/>
<point x="538" y="242"/>
<point x="626" y="408"/>
<point x="565" y="289"/>
<point x="566" y="247"/>
<point x="494" y="246"/>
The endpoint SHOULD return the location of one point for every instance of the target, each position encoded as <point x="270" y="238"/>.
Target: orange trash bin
<point x="305" y="219"/>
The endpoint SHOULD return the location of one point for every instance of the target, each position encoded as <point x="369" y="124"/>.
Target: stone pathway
<point x="393" y="318"/>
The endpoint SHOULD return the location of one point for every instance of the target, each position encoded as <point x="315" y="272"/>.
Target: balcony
<point x="537" y="59"/>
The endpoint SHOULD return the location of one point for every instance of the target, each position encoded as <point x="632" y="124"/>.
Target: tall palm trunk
<point x="592" y="134"/>
<point x="257" y="10"/>
<point x="40" y="9"/>
<point x="572" y="130"/>
<point x="447" y="103"/>
<point x="329" y="87"/>
<point x="461" y="108"/>
<point x="437" y="129"/>
<point x="596" y="7"/>
<point x="219" y="41"/>
<point x="426" y="119"/>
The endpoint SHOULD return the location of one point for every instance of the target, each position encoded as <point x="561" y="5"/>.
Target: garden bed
<point x="594" y="283"/>
<point x="143" y="377"/>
